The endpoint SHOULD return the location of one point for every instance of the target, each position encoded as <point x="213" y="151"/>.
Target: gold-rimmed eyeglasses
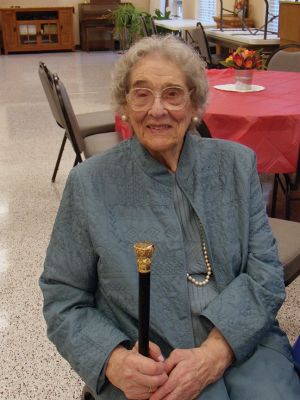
<point x="172" y="98"/>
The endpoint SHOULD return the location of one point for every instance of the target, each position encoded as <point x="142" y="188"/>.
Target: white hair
<point x="173" y="49"/>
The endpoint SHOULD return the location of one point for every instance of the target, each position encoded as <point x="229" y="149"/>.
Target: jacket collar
<point x="156" y="169"/>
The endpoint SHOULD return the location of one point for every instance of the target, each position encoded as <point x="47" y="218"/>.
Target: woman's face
<point x="159" y="129"/>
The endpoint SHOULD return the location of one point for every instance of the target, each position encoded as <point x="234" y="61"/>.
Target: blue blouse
<point x="200" y="296"/>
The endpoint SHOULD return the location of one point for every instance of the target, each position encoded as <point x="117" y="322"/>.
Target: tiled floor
<point x="30" y="367"/>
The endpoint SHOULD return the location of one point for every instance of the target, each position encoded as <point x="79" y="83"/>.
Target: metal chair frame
<point x="153" y="26"/>
<point x="68" y="125"/>
<point x="269" y="17"/>
<point x="207" y="56"/>
<point x="56" y="113"/>
<point x="89" y="124"/>
<point x="144" y="26"/>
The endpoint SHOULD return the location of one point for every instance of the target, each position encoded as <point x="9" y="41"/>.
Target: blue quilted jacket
<point x="111" y="201"/>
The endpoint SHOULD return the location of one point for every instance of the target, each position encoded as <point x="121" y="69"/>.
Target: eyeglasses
<point x="172" y="98"/>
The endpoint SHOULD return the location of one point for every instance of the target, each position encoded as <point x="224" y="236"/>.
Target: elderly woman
<point x="216" y="282"/>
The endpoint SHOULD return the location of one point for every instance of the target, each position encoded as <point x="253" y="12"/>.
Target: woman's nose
<point x="157" y="107"/>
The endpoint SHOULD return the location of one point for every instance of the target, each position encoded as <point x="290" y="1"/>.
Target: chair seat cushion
<point x="96" y="122"/>
<point x="287" y="234"/>
<point x="100" y="142"/>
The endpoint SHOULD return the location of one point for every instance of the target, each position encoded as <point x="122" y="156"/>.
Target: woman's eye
<point x="142" y="93"/>
<point x="172" y="93"/>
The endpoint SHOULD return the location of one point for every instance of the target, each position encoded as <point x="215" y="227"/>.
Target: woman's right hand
<point x="137" y="376"/>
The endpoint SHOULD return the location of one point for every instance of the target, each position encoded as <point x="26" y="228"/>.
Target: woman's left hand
<point x="191" y="370"/>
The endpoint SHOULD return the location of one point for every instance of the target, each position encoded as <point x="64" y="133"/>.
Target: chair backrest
<point x="70" y="120"/>
<point x="153" y="27"/>
<point x="285" y="58"/>
<point x="198" y="40"/>
<point x="203" y="130"/>
<point x="46" y="78"/>
<point x="144" y="26"/>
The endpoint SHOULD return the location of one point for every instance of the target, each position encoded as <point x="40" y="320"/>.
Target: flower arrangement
<point x="243" y="58"/>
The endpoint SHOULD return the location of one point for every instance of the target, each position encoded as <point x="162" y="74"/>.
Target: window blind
<point x="206" y="10"/>
<point x="274" y="10"/>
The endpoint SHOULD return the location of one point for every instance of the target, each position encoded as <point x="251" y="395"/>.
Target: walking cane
<point x="144" y="252"/>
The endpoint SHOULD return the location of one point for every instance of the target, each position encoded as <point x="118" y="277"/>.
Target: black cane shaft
<point x="144" y="312"/>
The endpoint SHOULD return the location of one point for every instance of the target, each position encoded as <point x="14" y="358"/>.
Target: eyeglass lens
<point x="171" y="97"/>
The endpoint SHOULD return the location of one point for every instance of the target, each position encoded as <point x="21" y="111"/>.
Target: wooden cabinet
<point x="289" y="22"/>
<point x="37" y="29"/>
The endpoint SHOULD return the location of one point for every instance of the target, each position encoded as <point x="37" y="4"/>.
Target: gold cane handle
<point x="144" y="252"/>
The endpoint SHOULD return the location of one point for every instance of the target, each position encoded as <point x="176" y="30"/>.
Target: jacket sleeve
<point x="82" y="335"/>
<point x="246" y="309"/>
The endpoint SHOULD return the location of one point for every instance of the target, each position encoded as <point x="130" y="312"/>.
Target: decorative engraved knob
<point x="144" y="252"/>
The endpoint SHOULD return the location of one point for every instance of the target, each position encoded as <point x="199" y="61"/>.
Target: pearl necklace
<point x="206" y="260"/>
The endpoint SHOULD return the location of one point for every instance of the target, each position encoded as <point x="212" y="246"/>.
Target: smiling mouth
<point x="157" y="128"/>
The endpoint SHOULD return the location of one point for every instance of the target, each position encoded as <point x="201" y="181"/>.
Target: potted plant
<point x="161" y="16"/>
<point x="127" y="24"/>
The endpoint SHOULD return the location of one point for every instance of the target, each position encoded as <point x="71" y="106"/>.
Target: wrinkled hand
<point x="191" y="370"/>
<point x="137" y="376"/>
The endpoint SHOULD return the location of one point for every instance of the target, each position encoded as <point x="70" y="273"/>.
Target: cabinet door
<point x="289" y="25"/>
<point x="10" y="36"/>
<point x="49" y="33"/>
<point x="66" y="28"/>
<point x="28" y="34"/>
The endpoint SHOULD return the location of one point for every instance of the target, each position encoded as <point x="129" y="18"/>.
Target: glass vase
<point x="243" y="79"/>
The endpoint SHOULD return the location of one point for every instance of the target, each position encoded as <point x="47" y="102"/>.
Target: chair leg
<point x="287" y="197"/>
<point x="287" y="208"/>
<point x="62" y="146"/>
<point x="78" y="160"/>
<point x="87" y="394"/>
<point x="274" y="196"/>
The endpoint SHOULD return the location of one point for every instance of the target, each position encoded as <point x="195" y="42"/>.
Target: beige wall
<point x="256" y="10"/>
<point x="141" y="4"/>
<point x="189" y="9"/>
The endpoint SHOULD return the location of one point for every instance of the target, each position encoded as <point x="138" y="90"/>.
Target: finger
<point x="164" y="390"/>
<point x="170" y="364"/>
<point x="135" y="348"/>
<point x="155" y="352"/>
<point x="175" y="357"/>
<point x="149" y="373"/>
<point x="146" y="365"/>
<point x="160" y="394"/>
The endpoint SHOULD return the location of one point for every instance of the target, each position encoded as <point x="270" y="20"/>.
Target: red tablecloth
<point x="267" y="121"/>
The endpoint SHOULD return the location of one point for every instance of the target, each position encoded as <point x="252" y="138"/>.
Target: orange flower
<point x="249" y="63"/>
<point x="243" y="58"/>
<point x="237" y="59"/>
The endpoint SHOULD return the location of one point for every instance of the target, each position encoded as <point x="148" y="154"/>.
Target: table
<point x="180" y="24"/>
<point x="234" y="38"/>
<point x="266" y="121"/>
